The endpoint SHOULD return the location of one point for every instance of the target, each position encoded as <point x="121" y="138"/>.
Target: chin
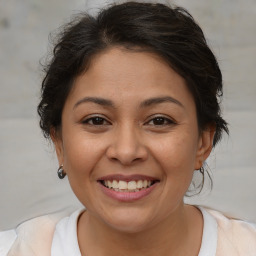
<point x="128" y="221"/>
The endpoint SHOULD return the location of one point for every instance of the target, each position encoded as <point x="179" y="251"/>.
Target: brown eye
<point x="97" y="120"/>
<point x="160" y="121"/>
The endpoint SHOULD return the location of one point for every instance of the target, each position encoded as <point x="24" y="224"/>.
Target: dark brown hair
<point x="169" y="32"/>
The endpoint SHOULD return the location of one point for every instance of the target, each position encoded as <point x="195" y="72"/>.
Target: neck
<point x="179" y="234"/>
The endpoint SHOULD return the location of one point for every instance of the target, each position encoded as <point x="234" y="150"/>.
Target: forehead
<point x="130" y="65"/>
<point x="124" y="74"/>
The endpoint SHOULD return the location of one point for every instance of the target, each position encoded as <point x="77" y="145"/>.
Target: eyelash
<point x="164" y="121"/>
<point x="100" y="121"/>
<point x="97" y="119"/>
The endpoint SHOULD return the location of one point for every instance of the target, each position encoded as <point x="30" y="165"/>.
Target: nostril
<point x="125" y="160"/>
<point x="126" y="150"/>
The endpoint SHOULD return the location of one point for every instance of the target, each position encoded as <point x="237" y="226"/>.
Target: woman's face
<point x="130" y="123"/>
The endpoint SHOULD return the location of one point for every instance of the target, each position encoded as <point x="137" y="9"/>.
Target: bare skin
<point x="131" y="114"/>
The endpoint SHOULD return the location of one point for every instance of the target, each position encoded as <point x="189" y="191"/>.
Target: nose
<point x="127" y="146"/>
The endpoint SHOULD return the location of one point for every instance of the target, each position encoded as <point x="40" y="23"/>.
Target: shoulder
<point x="7" y="239"/>
<point x="236" y="236"/>
<point x="65" y="240"/>
<point x="32" y="236"/>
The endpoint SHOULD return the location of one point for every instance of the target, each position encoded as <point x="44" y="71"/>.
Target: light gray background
<point x="28" y="183"/>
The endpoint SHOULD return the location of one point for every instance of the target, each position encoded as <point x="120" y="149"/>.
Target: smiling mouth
<point x="128" y="186"/>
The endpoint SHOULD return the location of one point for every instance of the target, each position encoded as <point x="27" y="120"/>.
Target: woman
<point x="131" y="102"/>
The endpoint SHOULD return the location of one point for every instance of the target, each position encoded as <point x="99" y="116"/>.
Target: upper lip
<point x="127" y="178"/>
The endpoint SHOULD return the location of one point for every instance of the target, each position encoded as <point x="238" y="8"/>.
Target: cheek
<point x="81" y="154"/>
<point x="81" y="158"/>
<point x="176" y="152"/>
<point x="176" y="156"/>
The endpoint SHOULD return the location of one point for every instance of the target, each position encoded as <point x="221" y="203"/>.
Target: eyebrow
<point x="144" y="104"/>
<point x="96" y="100"/>
<point x="159" y="100"/>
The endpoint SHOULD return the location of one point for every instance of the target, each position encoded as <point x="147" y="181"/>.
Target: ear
<point x="58" y="144"/>
<point x="205" y="145"/>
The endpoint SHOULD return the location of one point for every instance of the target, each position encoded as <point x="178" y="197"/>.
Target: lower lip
<point x="127" y="196"/>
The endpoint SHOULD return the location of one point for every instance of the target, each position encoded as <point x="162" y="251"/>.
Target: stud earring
<point x="61" y="173"/>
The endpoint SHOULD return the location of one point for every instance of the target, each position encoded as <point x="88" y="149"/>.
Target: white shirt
<point x="65" y="241"/>
<point x="56" y="235"/>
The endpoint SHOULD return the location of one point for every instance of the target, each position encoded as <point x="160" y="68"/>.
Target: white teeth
<point x="131" y="186"/>
<point x="139" y="184"/>
<point x="122" y="184"/>
<point x="115" y="184"/>
<point x="109" y="184"/>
